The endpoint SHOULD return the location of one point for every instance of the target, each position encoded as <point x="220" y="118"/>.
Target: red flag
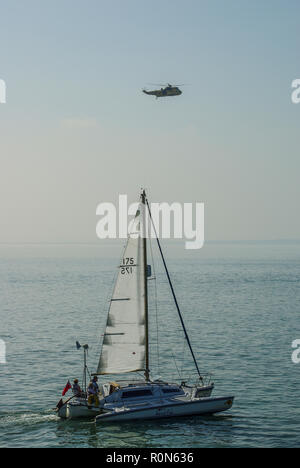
<point x="67" y="388"/>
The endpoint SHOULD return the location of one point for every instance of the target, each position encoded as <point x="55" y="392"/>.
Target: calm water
<point x="241" y="303"/>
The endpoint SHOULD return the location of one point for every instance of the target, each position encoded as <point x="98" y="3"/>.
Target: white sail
<point x="124" y="342"/>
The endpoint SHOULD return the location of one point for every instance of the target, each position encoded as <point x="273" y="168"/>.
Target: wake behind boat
<point x="125" y="349"/>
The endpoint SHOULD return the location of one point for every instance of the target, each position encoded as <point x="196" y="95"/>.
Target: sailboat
<point x="126" y="350"/>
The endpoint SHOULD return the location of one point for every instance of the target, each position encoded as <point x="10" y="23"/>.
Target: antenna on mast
<point x="85" y="368"/>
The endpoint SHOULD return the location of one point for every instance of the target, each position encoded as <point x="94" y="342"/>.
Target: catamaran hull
<point x="191" y="408"/>
<point x="74" y="410"/>
<point x="71" y="411"/>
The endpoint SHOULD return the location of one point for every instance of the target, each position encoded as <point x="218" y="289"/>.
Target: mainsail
<point x="124" y="343"/>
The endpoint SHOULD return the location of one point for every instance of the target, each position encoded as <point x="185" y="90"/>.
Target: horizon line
<point x="175" y="241"/>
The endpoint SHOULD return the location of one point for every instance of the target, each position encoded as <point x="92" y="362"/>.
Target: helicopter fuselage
<point x="164" y="92"/>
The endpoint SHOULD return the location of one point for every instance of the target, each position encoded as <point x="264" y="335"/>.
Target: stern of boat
<point x="198" y="391"/>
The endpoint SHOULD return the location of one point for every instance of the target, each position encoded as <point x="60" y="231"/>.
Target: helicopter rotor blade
<point x="168" y="84"/>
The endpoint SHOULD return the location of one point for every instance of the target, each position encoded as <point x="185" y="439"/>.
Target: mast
<point x="173" y="293"/>
<point x="85" y="370"/>
<point x="147" y="370"/>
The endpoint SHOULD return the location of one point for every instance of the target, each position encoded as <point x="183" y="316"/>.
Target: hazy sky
<point x="77" y="131"/>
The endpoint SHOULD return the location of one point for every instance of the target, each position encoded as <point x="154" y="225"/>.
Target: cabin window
<point x="170" y="390"/>
<point x="136" y="393"/>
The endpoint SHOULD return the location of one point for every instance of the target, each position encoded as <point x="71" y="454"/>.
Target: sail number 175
<point x="127" y="266"/>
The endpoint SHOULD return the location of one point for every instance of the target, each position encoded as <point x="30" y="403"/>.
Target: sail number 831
<point x="127" y="266"/>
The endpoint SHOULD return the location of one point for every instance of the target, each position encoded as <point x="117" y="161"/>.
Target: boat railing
<point x="189" y="381"/>
<point x="206" y="380"/>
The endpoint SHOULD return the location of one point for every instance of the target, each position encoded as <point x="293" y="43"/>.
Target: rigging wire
<point x="183" y="353"/>
<point x="175" y="362"/>
<point x="173" y="293"/>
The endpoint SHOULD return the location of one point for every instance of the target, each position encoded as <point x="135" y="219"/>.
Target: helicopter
<point x="169" y="90"/>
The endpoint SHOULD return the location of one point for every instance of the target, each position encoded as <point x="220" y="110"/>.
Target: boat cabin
<point x="129" y="392"/>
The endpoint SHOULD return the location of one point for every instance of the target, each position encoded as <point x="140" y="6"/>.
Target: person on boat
<point x="76" y="389"/>
<point x="95" y="383"/>
<point x="113" y="386"/>
<point x="93" y="397"/>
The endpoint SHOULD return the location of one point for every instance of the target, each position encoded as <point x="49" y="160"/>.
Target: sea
<point x="241" y="306"/>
